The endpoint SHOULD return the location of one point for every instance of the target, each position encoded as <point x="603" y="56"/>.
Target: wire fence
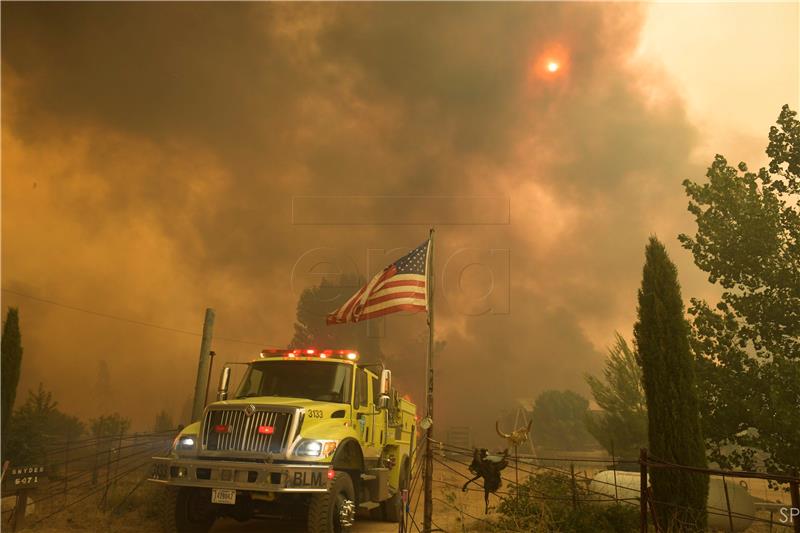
<point x="93" y="470"/>
<point x="79" y="470"/>
<point x="599" y="481"/>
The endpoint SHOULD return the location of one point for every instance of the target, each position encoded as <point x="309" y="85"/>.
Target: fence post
<point x="66" y="469"/>
<point x="728" y="503"/>
<point x="117" y="459"/>
<point x="652" y="501"/>
<point x="46" y="461"/>
<point x="20" y="509"/>
<point x="643" y="490"/>
<point x="574" y="488"/>
<point x="794" y="488"/>
<point x="614" y="469"/>
<point x="104" y="499"/>
<point x="94" y="461"/>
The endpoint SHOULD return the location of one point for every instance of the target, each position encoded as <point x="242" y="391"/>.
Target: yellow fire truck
<point x="309" y="434"/>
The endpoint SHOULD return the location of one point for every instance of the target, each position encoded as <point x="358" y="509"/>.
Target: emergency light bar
<point x="310" y="353"/>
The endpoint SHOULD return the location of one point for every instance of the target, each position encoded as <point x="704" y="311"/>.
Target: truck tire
<point x="187" y="510"/>
<point x="327" y="509"/>
<point x="393" y="507"/>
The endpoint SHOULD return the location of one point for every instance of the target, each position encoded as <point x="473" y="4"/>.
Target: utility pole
<point x="201" y="385"/>
<point x="211" y="355"/>
<point x="428" y="480"/>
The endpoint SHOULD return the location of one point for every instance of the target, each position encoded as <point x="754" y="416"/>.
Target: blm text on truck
<point x="311" y="435"/>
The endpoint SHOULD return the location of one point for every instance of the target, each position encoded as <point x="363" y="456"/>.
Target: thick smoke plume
<point x="155" y="157"/>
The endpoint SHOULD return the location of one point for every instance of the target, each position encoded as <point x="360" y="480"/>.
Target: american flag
<point x="402" y="286"/>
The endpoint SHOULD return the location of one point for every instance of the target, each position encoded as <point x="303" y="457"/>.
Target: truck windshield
<point x="323" y="382"/>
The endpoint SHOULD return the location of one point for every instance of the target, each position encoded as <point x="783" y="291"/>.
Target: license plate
<point x="226" y="496"/>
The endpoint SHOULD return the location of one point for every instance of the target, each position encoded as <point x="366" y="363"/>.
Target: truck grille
<point x="242" y="431"/>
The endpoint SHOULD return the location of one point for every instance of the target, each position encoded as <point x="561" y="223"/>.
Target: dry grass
<point x="129" y="507"/>
<point x="132" y="507"/>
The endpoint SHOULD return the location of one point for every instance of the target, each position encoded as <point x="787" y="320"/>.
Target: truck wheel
<point x="187" y="510"/>
<point x="333" y="511"/>
<point x="393" y="507"/>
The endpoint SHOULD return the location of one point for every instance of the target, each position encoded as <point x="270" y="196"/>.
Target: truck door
<point x="380" y="418"/>
<point x="365" y="412"/>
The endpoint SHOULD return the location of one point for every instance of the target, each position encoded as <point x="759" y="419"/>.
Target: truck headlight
<point x="315" y="448"/>
<point x="185" y="442"/>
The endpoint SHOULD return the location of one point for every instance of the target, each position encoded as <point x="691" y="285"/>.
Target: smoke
<point x="154" y="153"/>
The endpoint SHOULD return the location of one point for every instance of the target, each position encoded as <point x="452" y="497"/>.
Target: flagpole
<point x="428" y="480"/>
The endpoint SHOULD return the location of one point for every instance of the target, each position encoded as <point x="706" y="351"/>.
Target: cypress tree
<point x="11" y="361"/>
<point x="674" y="431"/>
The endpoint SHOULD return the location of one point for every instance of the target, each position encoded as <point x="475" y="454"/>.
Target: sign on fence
<point x="20" y="480"/>
<point x="23" y="477"/>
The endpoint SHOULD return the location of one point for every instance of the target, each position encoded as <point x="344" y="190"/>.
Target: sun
<point x="550" y="64"/>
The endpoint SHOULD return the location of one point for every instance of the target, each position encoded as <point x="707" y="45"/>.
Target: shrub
<point x="544" y="502"/>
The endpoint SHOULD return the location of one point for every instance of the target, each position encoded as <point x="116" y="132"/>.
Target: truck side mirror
<point x="386" y="382"/>
<point x="224" y="381"/>
<point x="386" y="387"/>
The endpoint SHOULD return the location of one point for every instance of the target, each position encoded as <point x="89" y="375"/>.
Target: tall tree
<point x="621" y="427"/>
<point x="163" y="422"/>
<point x="112" y="425"/>
<point x="674" y="432"/>
<point x="313" y="307"/>
<point x="103" y="392"/>
<point x="748" y="241"/>
<point x="186" y="412"/>
<point x="36" y="423"/>
<point x="559" y="421"/>
<point x="11" y="348"/>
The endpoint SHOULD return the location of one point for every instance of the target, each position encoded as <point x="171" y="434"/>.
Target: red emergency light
<point x="266" y="430"/>
<point x="221" y="428"/>
<point x="310" y="353"/>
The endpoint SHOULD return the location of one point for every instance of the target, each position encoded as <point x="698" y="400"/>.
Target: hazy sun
<point x="551" y="64"/>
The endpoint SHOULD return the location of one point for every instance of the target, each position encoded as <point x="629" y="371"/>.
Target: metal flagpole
<point x="428" y="480"/>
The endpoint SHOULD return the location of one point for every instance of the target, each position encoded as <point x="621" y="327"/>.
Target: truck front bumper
<point x="240" y="475"/>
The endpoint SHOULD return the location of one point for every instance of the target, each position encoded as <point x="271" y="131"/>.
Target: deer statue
<point x="516" y="437"/>
<point x="487" y="467"/>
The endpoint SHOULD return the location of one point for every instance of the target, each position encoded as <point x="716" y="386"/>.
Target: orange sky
<point x="152" y="156"/>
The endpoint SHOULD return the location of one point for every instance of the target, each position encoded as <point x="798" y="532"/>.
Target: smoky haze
<point x="155" y="157"/>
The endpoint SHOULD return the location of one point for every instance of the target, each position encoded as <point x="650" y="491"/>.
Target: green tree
<point x="37" y="423"/>
<point x="11" y="348"/>
<point x="111" y="425"/>
<point x="674" y="432"/>
<point x="622" y="425"/>
<point x="313" y="306"/>
<point x="748" y="343"/>
<point x="559" y="421"/>
<point x="163" y="422"/>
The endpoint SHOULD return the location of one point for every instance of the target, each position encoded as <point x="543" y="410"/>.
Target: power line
<point x="128" y="320"/>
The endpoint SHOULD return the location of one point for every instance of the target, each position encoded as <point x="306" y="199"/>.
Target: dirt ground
<point x="448" y="499"/>
<point x="135" y="513"/>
